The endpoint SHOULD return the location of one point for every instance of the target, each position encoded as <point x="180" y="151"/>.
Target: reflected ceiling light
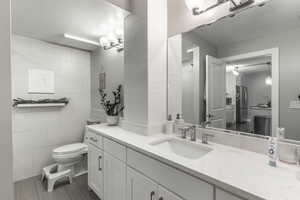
<point x="112" y="40"/>
<point x="235" y="72"/>
<point x="268" y="80"/>
<point x="200" y="6"/>
<point x="80" y="39"/>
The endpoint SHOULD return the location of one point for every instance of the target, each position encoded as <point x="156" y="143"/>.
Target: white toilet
<point x="71" y="161"/>
<point x="69" y="155"/>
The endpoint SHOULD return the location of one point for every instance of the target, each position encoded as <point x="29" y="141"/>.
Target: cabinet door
<point x="114" y="178"/>
<point x="139" y="187"/>
<point x="222" y="195"/>
<point x="95" y="170"/>
<point x="167" y="195"/>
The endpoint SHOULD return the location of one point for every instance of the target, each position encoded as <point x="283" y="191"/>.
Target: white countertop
<point x="241" y="172"/>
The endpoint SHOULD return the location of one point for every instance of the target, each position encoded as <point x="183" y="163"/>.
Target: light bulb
<point x="112" y="38"/>
<point x="268" y="80"/>
<point x="104" y="41"/>
<point x="192" y="4"/>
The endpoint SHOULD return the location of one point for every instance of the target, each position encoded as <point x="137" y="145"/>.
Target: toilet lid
<point x="71" y="148"/>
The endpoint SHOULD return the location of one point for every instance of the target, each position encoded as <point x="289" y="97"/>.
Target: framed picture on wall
<point x="41" y="81"/>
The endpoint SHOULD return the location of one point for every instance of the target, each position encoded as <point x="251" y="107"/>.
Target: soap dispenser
<point x="179" y="123"/>
<point x="170" y="125"/>
<point x="272" y="151"/>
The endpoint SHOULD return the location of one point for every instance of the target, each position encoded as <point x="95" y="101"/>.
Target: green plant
<point x="112" y="107"/>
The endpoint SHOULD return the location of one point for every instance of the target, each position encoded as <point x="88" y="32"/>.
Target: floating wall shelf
<point x="40" y="105"/>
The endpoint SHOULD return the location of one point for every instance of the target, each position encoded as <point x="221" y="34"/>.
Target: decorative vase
<point x="112" y="120"/>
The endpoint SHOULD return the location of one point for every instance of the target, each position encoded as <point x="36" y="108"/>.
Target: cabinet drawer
<point x="94" y="139"/>
<point x="115" y="149"/>
<point x="184" y="185"/>
<point x="222" y="195"/>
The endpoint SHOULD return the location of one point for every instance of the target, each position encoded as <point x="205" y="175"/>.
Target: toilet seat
<point x="70" y="149"/>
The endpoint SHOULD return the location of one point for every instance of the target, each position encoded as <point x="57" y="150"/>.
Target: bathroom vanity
<point x="124" y="165"/>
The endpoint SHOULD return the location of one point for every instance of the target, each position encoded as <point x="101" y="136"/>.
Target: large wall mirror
<point x="240" y="73"/>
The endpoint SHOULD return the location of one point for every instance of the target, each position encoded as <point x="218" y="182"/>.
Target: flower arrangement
<point x="112" y="107"/>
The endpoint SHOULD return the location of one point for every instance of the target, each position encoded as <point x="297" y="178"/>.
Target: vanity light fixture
<point x="201" y="6"/>
<point x="80" y="39"/>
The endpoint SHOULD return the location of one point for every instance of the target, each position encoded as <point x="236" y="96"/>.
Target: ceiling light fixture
<point x="201" y="6"/>
<point x="80" y="39"/>
<point x="235" y="71"/>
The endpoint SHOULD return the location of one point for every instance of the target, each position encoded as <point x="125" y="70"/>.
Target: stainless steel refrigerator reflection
<point x="241" y="104"/>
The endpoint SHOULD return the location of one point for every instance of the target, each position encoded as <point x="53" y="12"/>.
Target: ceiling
<point x="276" y="16"/>
<point x="48" y="20"/>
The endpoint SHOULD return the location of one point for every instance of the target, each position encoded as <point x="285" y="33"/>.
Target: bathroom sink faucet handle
<point x="183" y="132"/>
<point x="205" y="137"/>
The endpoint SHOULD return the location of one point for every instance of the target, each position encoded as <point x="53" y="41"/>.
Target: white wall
<point x="289" y="70"/>
<point x="6" y="185"/>
<point x="231" y="86"/>
<point x="190" y="40"/>
<point x="258" y="91"/>
<point x="188" y="96"/>
<point x="174" y="75"/>
<point x="36" y="131"/>
<point x="111" y="62"/>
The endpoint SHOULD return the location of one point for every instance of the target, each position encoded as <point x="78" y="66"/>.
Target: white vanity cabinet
<point x="114" y="178"/>
<point x="183" y="184"/>
<point x="164" y="194"/>
<point x="140" y="187"/>
<point x="95" y="170"/>
<point x="222" y="195"/>
<point x="106" y="167"/>
<point x="117" y="172"/>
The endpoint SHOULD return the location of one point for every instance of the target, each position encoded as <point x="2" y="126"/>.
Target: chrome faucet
<point x="192" y="130"/>
<point x="205" y="137"/>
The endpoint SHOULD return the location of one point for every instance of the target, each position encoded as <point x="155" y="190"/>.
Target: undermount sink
<point x="181" y="148"/>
